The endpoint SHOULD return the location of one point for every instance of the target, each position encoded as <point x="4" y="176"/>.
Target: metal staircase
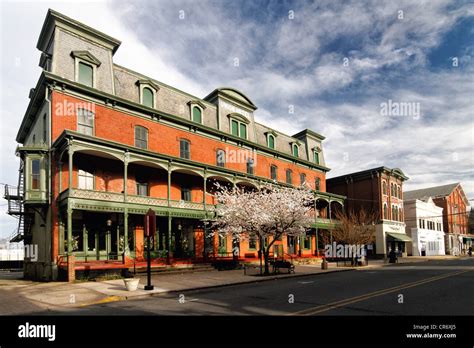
<point x="14" y="196"/>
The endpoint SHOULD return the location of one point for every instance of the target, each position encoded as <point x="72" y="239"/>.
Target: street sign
<point x="150" y="223"/>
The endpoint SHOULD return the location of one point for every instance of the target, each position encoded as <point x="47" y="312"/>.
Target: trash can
<point x="324" y="264"/>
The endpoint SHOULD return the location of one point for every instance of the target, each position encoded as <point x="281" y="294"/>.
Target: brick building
<point x="455" y="205"/>
<point x="378" y="190"/>
<point x="101" y="144"/>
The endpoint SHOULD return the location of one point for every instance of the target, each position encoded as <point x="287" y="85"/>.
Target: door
<point x="290" y="240"/>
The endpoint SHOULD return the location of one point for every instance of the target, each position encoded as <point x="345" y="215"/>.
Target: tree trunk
<point x="265" y="255"/>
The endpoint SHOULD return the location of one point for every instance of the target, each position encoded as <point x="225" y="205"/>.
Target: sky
<point x="388" y="83"/>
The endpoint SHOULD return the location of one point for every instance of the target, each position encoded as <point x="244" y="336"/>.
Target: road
<point x="424" y="288"/>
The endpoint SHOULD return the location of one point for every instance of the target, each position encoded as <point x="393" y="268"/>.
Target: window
<point x="317" y="184"/>
<point x="273" y="172"/>
<point x="243" y="131"/>
<point x="271" y="141"/>
<point x="239" y="129"/>
<point x="35" y="174"/>
<point x="316" y="157"/>
<point x="235" y="128"/>
<point x="289" y="176"/>
<point x="184" y="149"/>
<point x="252" y="242"/>
<point x="295" y="150"/>
<point x="250" y="163"/>
<point x="307" y="241"/>
<point x="420" y="223"/>
<point x="384" y="187"/>
<point x="385" y="212"/>
<point x="86" y="74"/>
<point x="86" y="180"/>
<point x="85" y="122"/>
<point x="186" y="193"/>
<point x="148" y="97"/>
<point x="302" y="179"/>
<point x="141" y="137"/>
<point x="142" y="188"/>
<point x="399" y="192"/>
<point x="197" y="115"/>
<point x="220" y="158"/>
<point x="400" y="216"/>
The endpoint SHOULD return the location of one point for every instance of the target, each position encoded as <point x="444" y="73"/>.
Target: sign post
<point x="150" y="228"/>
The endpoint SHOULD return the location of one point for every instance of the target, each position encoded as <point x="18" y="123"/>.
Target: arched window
<point x="295" y="150"/>
<point x="400" y="214"/>
<point x="317" y="184"/>
<point x="302" y="179"/>
<point x="289" y="177"/>
<point x="273" y="172"/>
<point x="147" y="98"/>
<point x="316" y="157"/>
<point x="271" y="141"/>
<point x="197" y="114"/>
<point x="384" y="187"/>
<point x="385" y="212"/>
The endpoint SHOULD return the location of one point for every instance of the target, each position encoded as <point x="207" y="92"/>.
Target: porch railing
<point x="120" y="197"/>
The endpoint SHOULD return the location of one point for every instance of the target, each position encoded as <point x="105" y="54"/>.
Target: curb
<point x="115" y="298"/>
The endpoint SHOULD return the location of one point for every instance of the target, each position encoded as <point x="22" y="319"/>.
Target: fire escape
<point x="16" y="208"/>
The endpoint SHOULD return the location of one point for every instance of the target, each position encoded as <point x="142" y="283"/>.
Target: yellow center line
<point x="340" y="303"/>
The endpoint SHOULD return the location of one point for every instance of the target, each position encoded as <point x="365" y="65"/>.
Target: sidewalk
<point x="19" y="296"/>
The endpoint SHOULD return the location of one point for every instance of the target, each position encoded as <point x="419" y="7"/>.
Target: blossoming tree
<point x="266" y="214"/>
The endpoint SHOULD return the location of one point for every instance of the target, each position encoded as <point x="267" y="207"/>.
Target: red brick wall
<point x="117" y="126"/>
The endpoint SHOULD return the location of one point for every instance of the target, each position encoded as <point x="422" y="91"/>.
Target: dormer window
<point x="316" y="154"/>
<point x="271" y="139"/>
<point x="148" y="90"/>
<point x="295" y="149"/>
<point x="196" y="109"/>
<point x="86" y="65"/>
<point x="148" y="97"/>
<point x="86" y="74"/>
<point x="238" y="125"/>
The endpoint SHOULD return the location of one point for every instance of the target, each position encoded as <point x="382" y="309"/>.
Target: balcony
<point x="131" y="199"/>
<point x="325" y="223"/>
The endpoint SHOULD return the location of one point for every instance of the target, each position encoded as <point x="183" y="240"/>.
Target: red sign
<point x="150" y="223"/>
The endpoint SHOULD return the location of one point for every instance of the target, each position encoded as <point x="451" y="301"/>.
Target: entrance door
<point x="97" y="244"/>
<point x="290" y="240"/>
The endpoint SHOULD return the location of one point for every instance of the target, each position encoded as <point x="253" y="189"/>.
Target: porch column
<point x="85" y="240"/>
<point x="70" y="153"/>
<point x="205" y="189"/>
<point x="169" y="183"/>
<point x="329" y="209"/>
<point x="125" y="234"/>
<point x="125" y="174"/>
<point x="168" y="242"/>
<point x="60" y="175"/>
<point x="69" y="230"/>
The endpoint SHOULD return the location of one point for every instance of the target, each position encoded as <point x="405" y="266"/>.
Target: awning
<point x="467" y="239"/>
<point x="399" y="237"/>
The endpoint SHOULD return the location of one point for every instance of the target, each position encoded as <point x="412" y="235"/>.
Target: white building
<point x="424" y="224"/>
